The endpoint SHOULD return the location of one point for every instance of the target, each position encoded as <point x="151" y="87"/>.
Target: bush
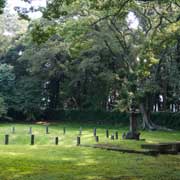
<point x="99" y="117"/>
<point x="3" y="109"/>
<point x="168" y="119"/>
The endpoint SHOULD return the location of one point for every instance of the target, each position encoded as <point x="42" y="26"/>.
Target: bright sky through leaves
<point x="36" y="3"/>
<point x="132" y="21"/>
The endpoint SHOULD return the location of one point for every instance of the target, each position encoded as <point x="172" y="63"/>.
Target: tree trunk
<point x="54" y="88"/>
<point x="146" y="123"/>
<point x="145" y="110"/>
<point x="178" y="53"/>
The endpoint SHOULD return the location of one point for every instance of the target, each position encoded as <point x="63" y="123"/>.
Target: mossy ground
<point x="46" y="161"/>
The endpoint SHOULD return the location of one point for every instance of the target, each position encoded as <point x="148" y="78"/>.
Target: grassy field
<point x="46" y="161"/>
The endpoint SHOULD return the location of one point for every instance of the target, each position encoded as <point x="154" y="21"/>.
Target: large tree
<point x="89" y="55"/>
<point x="2" y="5"/>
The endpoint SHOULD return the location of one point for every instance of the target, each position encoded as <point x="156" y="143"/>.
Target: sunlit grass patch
<point x="45" y="160"/>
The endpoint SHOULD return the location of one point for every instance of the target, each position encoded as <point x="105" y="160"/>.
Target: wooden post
<point x="6" y="139"/>
<point x="64" y="130"/>
<point x="94" y="132"/>
<point x="32" y="139"/>
<point x="47" y="130"/>
<point x="13" y="130"/>
<point x="56" y="141"/>
<point x="116" y="134"/>
<point x="78" y="141"/>
<point x="124" y="135"/>
<point x="112" y="137"/>
<point x="107" y="133"/>
<point x="30" y="130"/>
<point x="80" y="131"/>
<point x="97" y="138"/>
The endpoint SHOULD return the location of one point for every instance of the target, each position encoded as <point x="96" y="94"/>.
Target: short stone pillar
<point x="64" y="130"/>
<point x="78" y="141"/>
<point x="47" y="129"/>
<point x="133" y="132"/>
<point x="107" y="133"/>
<point x="94" y="132"/>
<point x="30" y="130"/>
<point x="116" y="135"/>
<point x="6" y="140"/>
<point x="32" y="139"/>
<point x="13" y="130"/>
<point x="97" y="139"/>
<point x="80" y="131"/>
<point x="56" y="140"/>
<point x="112" y="137"/>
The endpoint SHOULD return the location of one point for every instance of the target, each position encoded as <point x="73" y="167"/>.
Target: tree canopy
<point x="2" y="5"/>
<point x="98" y="55"/>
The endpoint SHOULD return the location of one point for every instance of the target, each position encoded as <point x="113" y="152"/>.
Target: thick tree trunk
<point x="146" y="123"/>
<point x="54" y="88"/>
<point x="178" y="53"/>
<point x="145" y="110"/>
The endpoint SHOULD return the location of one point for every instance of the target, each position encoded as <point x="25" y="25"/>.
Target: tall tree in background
<point x="2" y="5"/>
<point x="134" y="48"/>
<point x="7" y="82"/>
<point x="88" y="55"/>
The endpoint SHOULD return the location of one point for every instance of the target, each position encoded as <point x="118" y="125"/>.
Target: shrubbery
<point x="167" y="119"/>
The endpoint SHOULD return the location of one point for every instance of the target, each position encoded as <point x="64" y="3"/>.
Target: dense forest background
<point x="91" y="55"/>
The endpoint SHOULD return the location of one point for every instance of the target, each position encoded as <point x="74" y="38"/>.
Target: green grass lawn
<point x="46" y="161"/>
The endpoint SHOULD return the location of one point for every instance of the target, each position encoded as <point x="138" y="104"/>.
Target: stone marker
<point x="97" y="138"/>
<point x="94" y="132"/>
<point x="6" y="141"/>
<point x="124" y="135"/>
<point x="80" y="131"/>
<point x="78" y="140"/>
<point x="133" y="132"/>
<point x="56" y="140"/>
<point x="32" y="139"/>
<point x="13" y="130"/>
<point x="47" y="130"/>
<point x="64" y="130"/>
<point x="30" y="130"/>
<point x="107" y="133"/>
<point x="112" y="137"/>
<point x="116" y="134"/>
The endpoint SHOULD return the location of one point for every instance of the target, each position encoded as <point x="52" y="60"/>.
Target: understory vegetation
<point x="91" y="56"/>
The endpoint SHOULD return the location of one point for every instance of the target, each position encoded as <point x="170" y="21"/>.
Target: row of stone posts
<point x="112" y="137"/>
<point x="32" y="140"/>
<point x="30" y="130"/>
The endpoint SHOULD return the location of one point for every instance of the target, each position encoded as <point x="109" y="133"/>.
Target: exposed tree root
<point x="147" y="123"/>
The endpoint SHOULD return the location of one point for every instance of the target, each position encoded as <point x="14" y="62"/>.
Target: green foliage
<point x="2" y="5"/>
<point x="28" y="97"/>
<point x="40" y="34"/>
<point x="7" y="78"/>
<point x="3" y="107"/>
<point x="168" y="119"/>
<point x="84" y="55"/>
<point x="99" y="117"/>
<point x="7" y="82"/>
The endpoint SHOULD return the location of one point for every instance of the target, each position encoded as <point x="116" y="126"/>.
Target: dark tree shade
<point x="2" y="4"/>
